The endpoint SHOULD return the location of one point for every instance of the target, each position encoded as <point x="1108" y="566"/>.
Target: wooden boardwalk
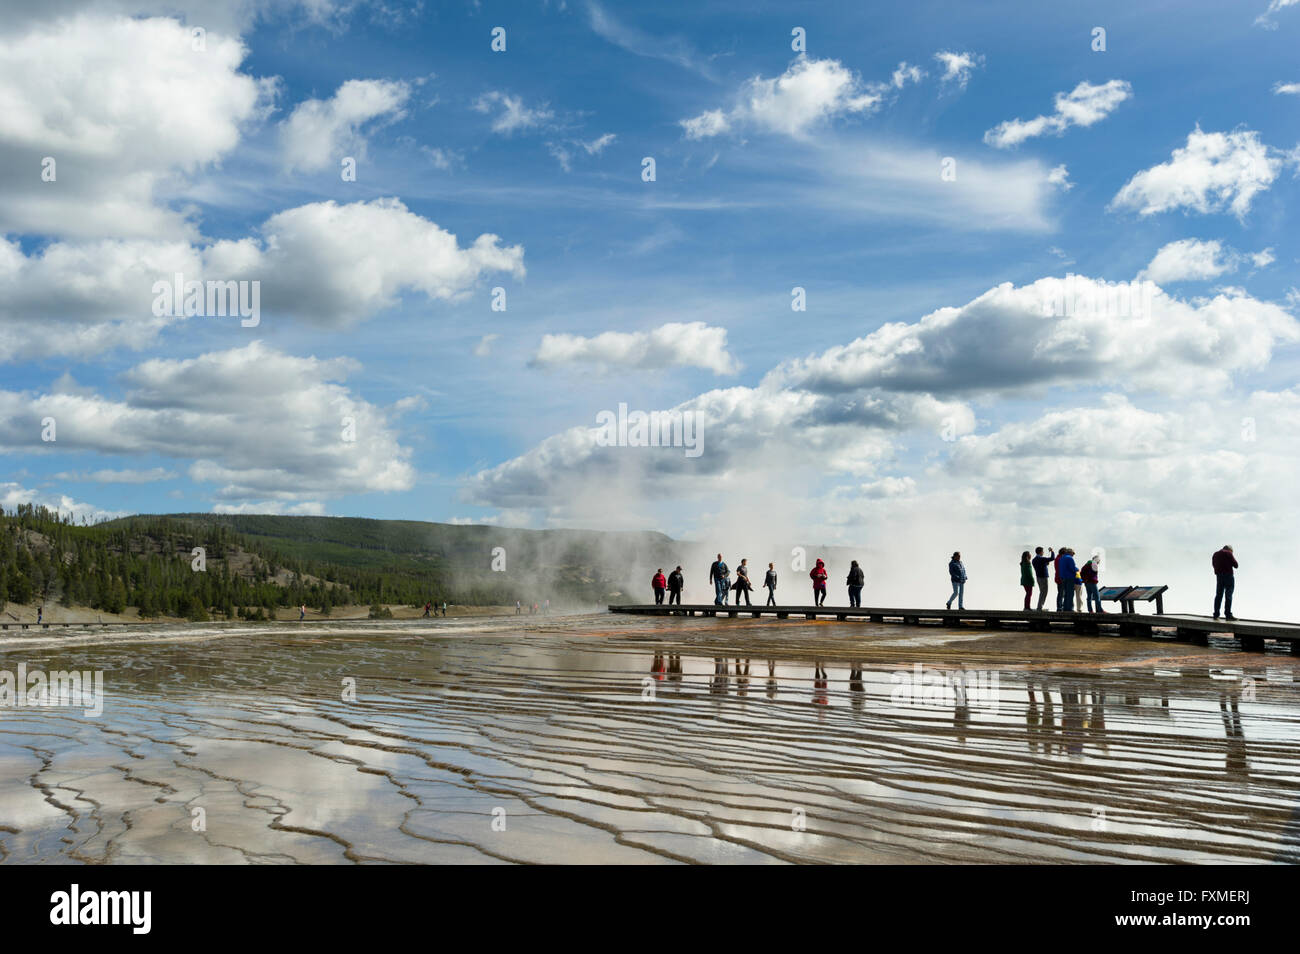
<point x="1251" y="633"/>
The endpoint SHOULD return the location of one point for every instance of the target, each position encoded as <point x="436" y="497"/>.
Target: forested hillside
<point x="256" y="563"/>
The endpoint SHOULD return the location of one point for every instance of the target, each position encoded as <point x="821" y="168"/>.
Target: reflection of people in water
<point x="657" y="667"/>
<point x="718" y="685"/>
<point x="857" y="692"/>
<point x="1072" y="719"/>
<point x="742" y="678"/>
<point x="961" y="705"/>
<point x="1097" y="721"/>
<point x="1041" y="725"/>
<point x="771" y="678"/>
<point x="821" y="685"/>
<point x="1235" y="763"/>
<point x="674" y="667"/>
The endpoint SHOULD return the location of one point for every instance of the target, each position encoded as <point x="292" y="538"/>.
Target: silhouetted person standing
<point x="1041" y="563"/>
<point x="1066" y="572"/>
<point x="675" y="583"/>
<point x="855" y="581"/>
<point x="1224" y="563"/>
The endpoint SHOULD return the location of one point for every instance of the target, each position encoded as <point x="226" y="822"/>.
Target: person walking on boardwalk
<point x="855" y="581"/>
<point x="743" y="586"/>
<point x="675" y="583"/>
<point x="719" y="574"/>
<point x="1041" y="563"/>
<point x="1224" y="563"/>
<point x="302" y="612"/>
<point x="444" y="608"/>
<point x="428" y="608"/>
<point x="1066" y="571"/>
<point x="819" y="575"/>
<point x="1027" y="576"/>
<point x="1091" y="580"/>
<point x="769" y="581"/>
<point x="519" y="608"/>
<point x="957" y="574"/>
<point x="659" y="583"/>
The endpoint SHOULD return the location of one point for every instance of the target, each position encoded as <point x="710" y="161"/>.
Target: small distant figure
<point x="546" y="607"/>
<point x="676" y="580"/>
<point x="40" y="613"/>
<point x="659" y="583"/>
<point x="519" y="608"/>
<point x="720" y="577"/>
<point x="1091" y="582"/>
<point x="1078" y="588"/>
<point x="855" y="580"/>
<point x="1041" y="563"/>
<point x="1224" y="563"/>
<point x="1066" y="572"/>
<point x="535" y="608"/>
<point x="444" y="609"/>
<point x="428" y="609"/>
<point x="769" y="581"/>
<point x="957" y="574"/>
<point x="743" y="586"/>
<point x="302" y="612"/>
<point x="1027" y="576"/>
<point x="819" y="575"/>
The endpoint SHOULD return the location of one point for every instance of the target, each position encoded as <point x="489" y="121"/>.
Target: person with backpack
<point x="1066" y="572"/>
<point x="659" y="583"/>
<point x="855" y="581"/>
<point x="675" y="583"/>
<point x="1027" y="576"/>
<point x="957" y="575"/>
<point x="769" y="581"/>
<point x="1224" y="563"/>
<point x="819" y="575"/>
<point x="719" y="576"/>
<point x="743" y="585"/>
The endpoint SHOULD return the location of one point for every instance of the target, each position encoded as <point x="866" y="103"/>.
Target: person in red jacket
<point x="819" y="574"/>
<point x="660" y="583"/>
<point x="1224" y="563"/>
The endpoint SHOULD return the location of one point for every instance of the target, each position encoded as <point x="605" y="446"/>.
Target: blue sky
<point x="819" y="169"/>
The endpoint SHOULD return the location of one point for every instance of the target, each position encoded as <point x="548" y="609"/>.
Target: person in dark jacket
<point x="1041" y="563"/>
<point x="1027" y="576"/>
<point x="1066" y="572"/>
<point x="719" y="573"/>
<point x="659" y="583"/>
<point x="675" y="583"/>
<point x="1224" y="563"/>
<point x="818" y="575"/>
<point x="957" y="574"/>
<point x="769" y="581"/>
<point x="743" y="586"/>
<point x="856" y="580"/>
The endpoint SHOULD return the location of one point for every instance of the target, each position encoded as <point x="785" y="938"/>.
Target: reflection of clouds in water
<point x="744" y="718"/>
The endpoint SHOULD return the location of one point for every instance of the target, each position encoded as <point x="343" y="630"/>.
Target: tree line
<point x="147" y="562"/>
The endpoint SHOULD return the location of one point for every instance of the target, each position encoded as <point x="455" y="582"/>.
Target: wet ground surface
<point x="626" y="739"/>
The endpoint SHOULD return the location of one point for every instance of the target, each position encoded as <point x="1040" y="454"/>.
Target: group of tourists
<point x="1078" y="585"/>
<point x="1071" y="579"/>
